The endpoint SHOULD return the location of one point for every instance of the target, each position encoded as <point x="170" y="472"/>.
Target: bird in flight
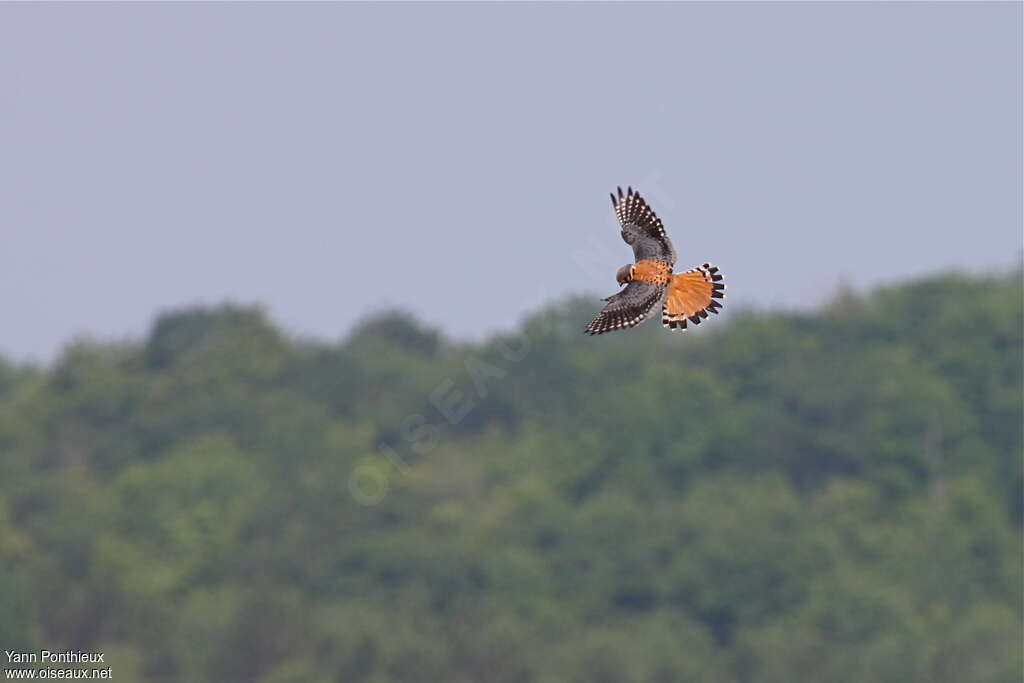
<point x="687" y="296"/>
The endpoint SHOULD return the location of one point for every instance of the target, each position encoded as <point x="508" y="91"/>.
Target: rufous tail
<point x="692" y="295"/>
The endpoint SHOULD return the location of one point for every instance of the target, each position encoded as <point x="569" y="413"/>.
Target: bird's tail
<point x="691" y="296"/>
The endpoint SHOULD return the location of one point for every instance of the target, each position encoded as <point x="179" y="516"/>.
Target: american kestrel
<point x="650" y="281"/>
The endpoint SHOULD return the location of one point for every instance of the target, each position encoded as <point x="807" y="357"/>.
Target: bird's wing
<point x="628" y="307"/>
<point x="691" y="296"/>
<point x="641" y="229"/>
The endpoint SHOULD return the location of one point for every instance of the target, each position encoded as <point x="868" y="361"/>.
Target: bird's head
<point x="625" y="274"/>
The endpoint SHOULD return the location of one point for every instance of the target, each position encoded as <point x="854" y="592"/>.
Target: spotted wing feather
<point x="642" y="229"/>
<point x="627" y="308"/>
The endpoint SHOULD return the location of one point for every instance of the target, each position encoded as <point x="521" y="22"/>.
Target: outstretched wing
<point x="691" y="296"/>
<point x="627" y="308"/>
<point x="641" y="229"/>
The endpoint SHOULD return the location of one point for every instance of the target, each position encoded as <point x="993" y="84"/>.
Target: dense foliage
<point x="774" y="497"/>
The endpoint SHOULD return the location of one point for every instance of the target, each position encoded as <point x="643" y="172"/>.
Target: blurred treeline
<point x="833" y="496"/>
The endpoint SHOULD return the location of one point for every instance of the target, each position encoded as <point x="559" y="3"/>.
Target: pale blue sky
<point x="455" y="159"/>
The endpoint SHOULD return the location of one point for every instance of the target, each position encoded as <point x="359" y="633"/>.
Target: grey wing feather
<point x="642" y="229"/>
<point x="628" y="308"/>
